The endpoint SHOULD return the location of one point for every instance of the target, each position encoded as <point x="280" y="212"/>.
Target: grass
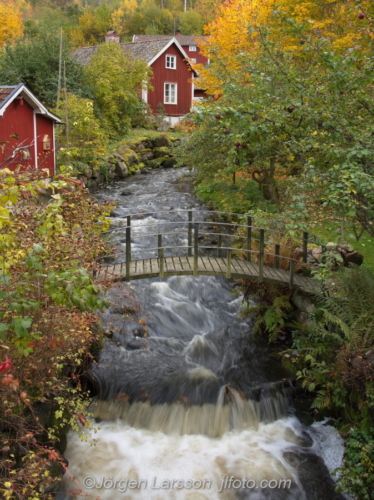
<point x="137" y="135"/>
<point x="328" y="231"/>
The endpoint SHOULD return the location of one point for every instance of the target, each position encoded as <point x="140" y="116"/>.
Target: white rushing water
<point x="190" y="404"/>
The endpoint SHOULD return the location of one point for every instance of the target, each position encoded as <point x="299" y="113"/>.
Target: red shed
<point x="27" y="136"/>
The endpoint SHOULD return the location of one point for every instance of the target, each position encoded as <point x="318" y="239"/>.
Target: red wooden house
<point x="27" y="135"/>
<point x="173" y="91"/>
<point x="190" y="44"/>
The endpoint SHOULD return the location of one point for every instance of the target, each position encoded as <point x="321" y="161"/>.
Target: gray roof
<point x="7" y="92"/>
<point x="145" y="50"/>
<point x="182" y="39"/>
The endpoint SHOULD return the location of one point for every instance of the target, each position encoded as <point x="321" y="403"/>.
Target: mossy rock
<point x="132" y="170"/>
<point x="161" y="141"/>
<point x="140" y="165"/>
<point x="129" y="156"/>
<point x="153" y="163"/>
<point x="159" y="152"/>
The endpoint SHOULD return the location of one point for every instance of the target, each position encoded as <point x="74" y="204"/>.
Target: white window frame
<point x="175" y="93"/>
<point x="193" y="59"/>
<point x="192" y="48"/>
<point x="170" y="61"/>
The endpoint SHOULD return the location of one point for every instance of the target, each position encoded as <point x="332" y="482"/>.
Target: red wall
<point x="181" y="76"/>
<point x="46" y="159"/>
<point x="19" y="120"/>
<point x="195" y="55"/>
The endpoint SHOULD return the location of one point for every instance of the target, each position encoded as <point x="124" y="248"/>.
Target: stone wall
<point x="140" y="158"/>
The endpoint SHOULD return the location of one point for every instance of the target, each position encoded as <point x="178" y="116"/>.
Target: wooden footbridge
<point x="185" y="242"/>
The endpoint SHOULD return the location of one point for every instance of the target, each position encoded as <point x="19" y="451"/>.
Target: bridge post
<point x="249" y="238"/>
<point x="277" y="253"/>
<point x="305" y="246"/>
<point x="128" y="246"/>
<point x="261" y="256"/>
<point x="228" y="264"/>
<point x="161" y="255"/>
<point x="189" y="250"/>
<point x="219" y="245"/>
<point x="292" y="273"/>
<point x="196" y="247"/>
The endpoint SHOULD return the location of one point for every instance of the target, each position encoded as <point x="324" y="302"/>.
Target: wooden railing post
<point x="277" y="254"/>
<point x="292" y="273"/>
<point x="261" y="256"/>
<point x="219" y="245"/>
<point x="228" y="264"/>
<point x="249" y="238"/>
<point x="161" y="255"/>
<point x="305" y="246"/>
<point x="189" y="250"/>
<point x="196" y="248"/>
<point x="128" y="246"/>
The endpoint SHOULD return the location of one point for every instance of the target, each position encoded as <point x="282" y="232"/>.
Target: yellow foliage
<point x="125" y="9"/>
<point x="11" y="26"/>
<point x="235" y="32"/>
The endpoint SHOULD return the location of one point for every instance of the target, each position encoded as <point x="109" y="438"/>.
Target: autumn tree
<point x="116" y="79"/>
<point x="11" y="26"/>
<point x="342" y="24"/>
<point x="307" y="111"/>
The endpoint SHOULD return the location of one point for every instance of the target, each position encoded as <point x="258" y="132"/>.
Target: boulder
<point x="317" y="254"/>
<point x="148" y="155"/>
<point x="121" y="169"/>
<point x="169" y="163"/>
<point x="354" y="257"/>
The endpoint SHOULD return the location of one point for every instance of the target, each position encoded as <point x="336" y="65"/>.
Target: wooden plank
<point x="221" y="263"/>
<point x="177" y="264"/>
<point x="214" y="265"/>
<point x="201" y="264"/>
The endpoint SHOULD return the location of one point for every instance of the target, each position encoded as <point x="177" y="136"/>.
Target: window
<point x="171" y="62"/>
<point x="193" y="59"/>
<point x="192" y="48"/>
<point x="170" y="93"/>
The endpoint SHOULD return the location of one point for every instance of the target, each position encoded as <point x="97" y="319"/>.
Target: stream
<point x="190" y="404"/>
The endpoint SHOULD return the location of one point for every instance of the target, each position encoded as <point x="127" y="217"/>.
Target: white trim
<point x="173" y="40"/>
<point x="192" y="93"/>
<point x="175" y="93"/>
<point x="54" y="149"/>
<point x="172" y="61"/>
<point x="38" y="106"/>
<point x="35" y="139"/>
<point x="192" y="48"/>
<point x="145" y="95"/>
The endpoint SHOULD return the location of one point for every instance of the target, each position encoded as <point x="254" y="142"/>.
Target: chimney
<point x="178" y="33"/>
<point x="112" y="36"/>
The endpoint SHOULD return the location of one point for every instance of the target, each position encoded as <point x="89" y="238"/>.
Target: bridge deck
<point x="208" y="266"/>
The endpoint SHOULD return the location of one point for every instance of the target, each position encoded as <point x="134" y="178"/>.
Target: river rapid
<point x="190" y="404"/>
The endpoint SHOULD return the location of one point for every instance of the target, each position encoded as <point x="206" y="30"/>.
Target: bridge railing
<point x="263" y="245"/>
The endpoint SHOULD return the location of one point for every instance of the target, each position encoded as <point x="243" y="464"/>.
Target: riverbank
<point x="48" y="332"/>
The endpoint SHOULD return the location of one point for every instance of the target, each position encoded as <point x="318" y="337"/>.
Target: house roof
<point x="149" y="51"/>
<point x="182" y="39"/>
<point x="146" y="50"/>
<point x="10" y="92"/>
